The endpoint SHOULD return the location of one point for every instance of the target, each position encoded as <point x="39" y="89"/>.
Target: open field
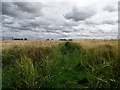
<point x="60" y="64"/>
<point x="85" y="43"/>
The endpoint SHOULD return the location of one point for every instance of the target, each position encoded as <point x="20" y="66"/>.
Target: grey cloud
<point x="110" y="22"/>
<point x="96" y="32"/>
<point x="79" y="14"/>
<point x="110" y="8"/>
<point x="0" y="11"/>
<point x="15" y="19"/>
<point x="8" y="9"/>
<point x="30" y="20"/>
<point x="7" y="20"/>
<point x="21" y="10"/>
<point x="28" y="6"/>
<point x="16" y="25"/>
<point x="82" y="35"/>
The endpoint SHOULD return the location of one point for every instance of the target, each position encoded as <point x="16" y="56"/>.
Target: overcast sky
<point x="55" y="19"/>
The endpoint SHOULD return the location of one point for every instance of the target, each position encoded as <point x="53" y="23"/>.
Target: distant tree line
<point x="62" y="39"/>
<point x="20" y="39"/>
<point x="65" y="39"/>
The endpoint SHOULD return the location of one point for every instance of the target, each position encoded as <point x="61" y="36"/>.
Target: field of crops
<point x="60" y="64"/>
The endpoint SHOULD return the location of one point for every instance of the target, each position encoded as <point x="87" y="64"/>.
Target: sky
<point x="55" y="19"/>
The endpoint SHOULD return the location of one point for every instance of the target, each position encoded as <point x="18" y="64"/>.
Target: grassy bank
<point x="61" y="65"/>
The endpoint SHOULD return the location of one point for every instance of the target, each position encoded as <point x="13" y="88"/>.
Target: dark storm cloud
<point x="79" y="14"/>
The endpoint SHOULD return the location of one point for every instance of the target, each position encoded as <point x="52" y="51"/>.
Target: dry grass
<point x="93" y="43"/>
<point x="43" y="43"/>
<point x="60" y="64"/>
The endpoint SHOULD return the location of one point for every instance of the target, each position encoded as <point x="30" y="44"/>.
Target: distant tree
<point x="16" y="39"/>
<point x="70" y="39"/>
<point x="51" y="39"/>
<point x="47" y="39"/>
<point x="63" y="39"/>
<point x="25" y="38"/>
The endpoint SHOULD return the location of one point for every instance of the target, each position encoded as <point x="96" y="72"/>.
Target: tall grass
<point x="67" y="65"/>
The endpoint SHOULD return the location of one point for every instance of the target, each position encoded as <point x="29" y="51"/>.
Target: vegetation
<point x="62" y="65"/>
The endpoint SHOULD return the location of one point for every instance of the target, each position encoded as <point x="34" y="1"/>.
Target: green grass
<point x="0" y="77"/>
<point x="67" y="65"/>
